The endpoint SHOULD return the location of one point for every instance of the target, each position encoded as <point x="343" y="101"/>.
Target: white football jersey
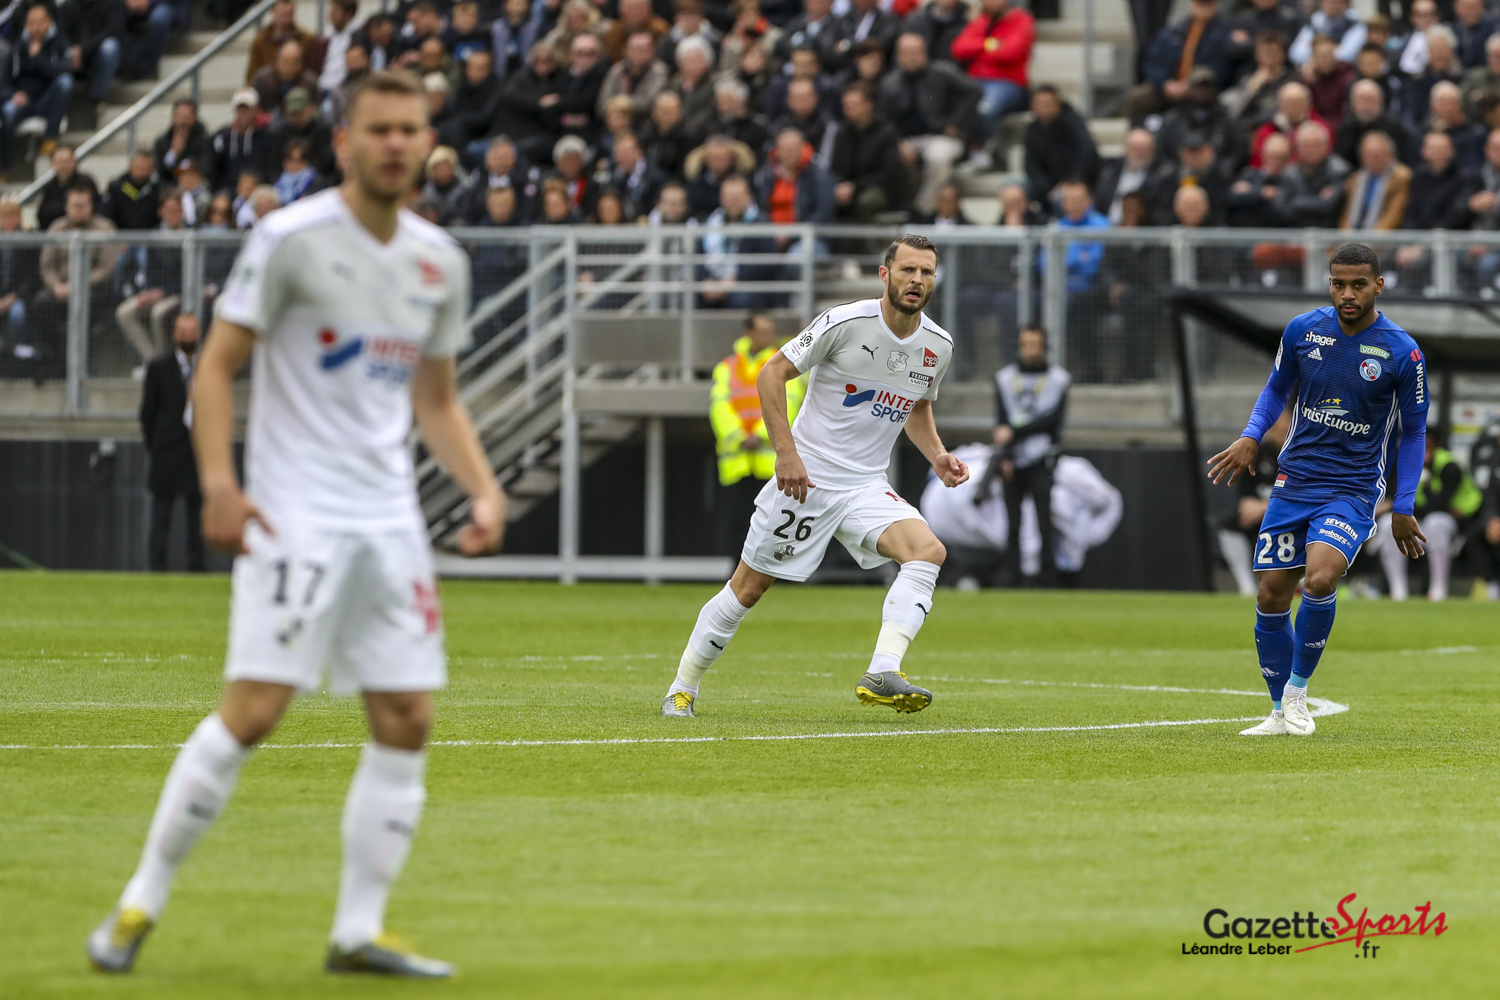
<point x="863" y="386"/>
<point x="341" y="322"/>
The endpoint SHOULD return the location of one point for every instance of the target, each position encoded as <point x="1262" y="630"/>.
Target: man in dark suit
<point x="165" y="423"/>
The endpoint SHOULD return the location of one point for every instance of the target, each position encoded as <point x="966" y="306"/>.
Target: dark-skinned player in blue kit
<point x="1360" y="421"/>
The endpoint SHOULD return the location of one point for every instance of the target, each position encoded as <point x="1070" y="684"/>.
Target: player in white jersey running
<point x="352" y="309"/>
<point x="875" y="369"/>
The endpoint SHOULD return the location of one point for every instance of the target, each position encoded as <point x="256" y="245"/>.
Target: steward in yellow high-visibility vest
<point x="746" y="458"/>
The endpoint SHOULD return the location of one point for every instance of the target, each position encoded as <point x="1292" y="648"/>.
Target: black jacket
<point x="236" y="151"/>
<point x="928" y="22"/>
<point x="1439" y="201"/>
<point x="35" y="73"/>
<point x="20" y="270"/>
<point x="1059" y="151"/>
<point x="1160" y="191"/>
<point x="838" y="49"/>
<point x="574" y="113"/>
<point x="471" y="109"/>
<point x="132" y="207"/>
<point x="1250" y="209"/>
<point x="1313" y="199"/>
<point x="870" y="158"/>
<point x="319" y="143"/>
<point x="87" y="23"/>
<point x="815" y="129"/>
<point x="945" y="98"/>
<point x="54" y="199"/>
<point x="199" y="149"/>
<point x="666" y="150"/>
<point x="637" y="193"/>
<point x="1212" y="122"/>
<point x="518" y="111"/>
<point x="168" y="441"/>
<point x="1351" y="131"/>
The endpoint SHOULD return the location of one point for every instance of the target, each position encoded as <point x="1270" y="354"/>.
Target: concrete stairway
<point x="219" y="79"/>
<point x="1057" y="59"/>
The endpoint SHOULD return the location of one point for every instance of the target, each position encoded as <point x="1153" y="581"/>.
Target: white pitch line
<point x="1319" y="707"/>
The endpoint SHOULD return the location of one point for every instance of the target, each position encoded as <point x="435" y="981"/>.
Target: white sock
<point x="906" y="606"/>
<point x="716" y="625"/>
<point x="197" y="787"/>
<point x="380" y="820"/>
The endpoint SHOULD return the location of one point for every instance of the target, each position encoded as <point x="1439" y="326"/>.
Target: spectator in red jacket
<point x="995" y="47"/>
<point x="1293" y="107"/>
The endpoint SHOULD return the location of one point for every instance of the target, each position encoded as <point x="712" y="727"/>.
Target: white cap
<point x="245" y="97"/>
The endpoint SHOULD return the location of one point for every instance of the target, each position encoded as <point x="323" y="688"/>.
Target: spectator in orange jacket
<point x="995" y="47"/>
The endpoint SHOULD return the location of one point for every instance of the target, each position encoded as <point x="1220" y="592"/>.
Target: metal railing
<point x="1102" y="308"/>
<point x="190" y="71"/>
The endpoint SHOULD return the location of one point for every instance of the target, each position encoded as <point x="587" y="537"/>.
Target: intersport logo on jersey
<point x="387" y="359"/>
<point x="884" y="404"/>
<point x="1328" y="419"/>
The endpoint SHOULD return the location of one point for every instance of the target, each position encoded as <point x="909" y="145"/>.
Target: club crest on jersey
<point x="431" y="273"/>
<point x="1369" y="369"/>
<point x="929" y="360"/>
<point x="897" y="361"/>
<point x="335" y="354"/>
<point x="784" y="551"/>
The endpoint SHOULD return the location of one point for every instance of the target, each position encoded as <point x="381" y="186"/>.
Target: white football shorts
<point x="787" y="539"/>
<point x="365" y="606"/>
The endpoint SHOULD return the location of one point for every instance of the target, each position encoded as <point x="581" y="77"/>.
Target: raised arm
<point x="225" y="507"/>
<point x="449" y="435"/>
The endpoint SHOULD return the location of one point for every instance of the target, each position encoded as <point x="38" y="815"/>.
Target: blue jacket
<point x="1082" y="259"/>
<point x="1215" y="50"/>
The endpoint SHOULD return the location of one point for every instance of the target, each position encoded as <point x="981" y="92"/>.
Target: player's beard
<point x="893" y="296"/>
<point x="377" y="186"/>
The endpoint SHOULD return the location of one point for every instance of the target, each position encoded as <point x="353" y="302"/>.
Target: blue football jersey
<point x="1354" y="395"/>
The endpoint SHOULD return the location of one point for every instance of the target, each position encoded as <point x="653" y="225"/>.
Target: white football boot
<point x="1295" y="716"/>
<point x="1274" y="725"/>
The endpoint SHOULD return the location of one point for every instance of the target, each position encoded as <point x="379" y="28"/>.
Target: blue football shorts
<point x="1291" y="525"/>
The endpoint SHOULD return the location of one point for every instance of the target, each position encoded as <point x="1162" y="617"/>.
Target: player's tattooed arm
<point x="226" y="510"/>
<point x="922" y="429"/>
<point x="449" y="435"/>
<point x="791" y="474"/>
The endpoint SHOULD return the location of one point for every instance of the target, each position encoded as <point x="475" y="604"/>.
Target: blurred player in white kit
<point x="352" y="310"/>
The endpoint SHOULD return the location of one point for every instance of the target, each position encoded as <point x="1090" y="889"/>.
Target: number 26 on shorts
<point x="1285" y="545"/>
<point x="804" y="526"/>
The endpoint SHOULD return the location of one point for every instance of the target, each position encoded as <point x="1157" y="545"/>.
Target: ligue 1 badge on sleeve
<point x="897" y="361"/>
<point x="1369" y="369"/>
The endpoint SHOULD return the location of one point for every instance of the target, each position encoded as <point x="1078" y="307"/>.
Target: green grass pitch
<point x="1052" y="864"/>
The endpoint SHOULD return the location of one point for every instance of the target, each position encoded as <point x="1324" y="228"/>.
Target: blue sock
<point x="1273" y="643"/>
<point x="1314" y="622"/>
